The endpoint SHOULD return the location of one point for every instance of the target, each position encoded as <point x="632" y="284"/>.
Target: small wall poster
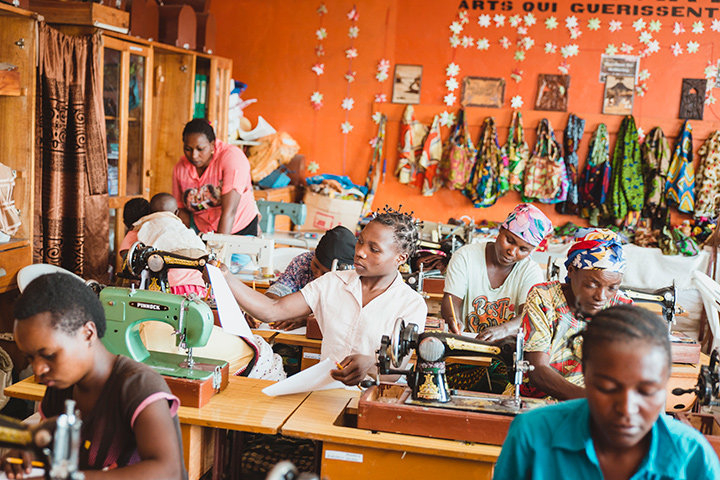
<point x="619" y="95"/>
<point x="552" y="92"/>
<point x="483" y="92"/>
<point x="619" y="66"/>
<point x="692" y="99"/>
<point x="406" y="84"/>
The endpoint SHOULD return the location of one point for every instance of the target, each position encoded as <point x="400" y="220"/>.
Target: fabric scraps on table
<point x="680" y="185"/>
<point x="489" y="176"/>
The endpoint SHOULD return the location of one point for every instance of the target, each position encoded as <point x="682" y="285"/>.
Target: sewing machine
<point x="192" y="320"/>
<point x="61" y="461"/>
<point x="151" y="266"/>
<point x="427" y="406"/>
<point x="261" y="249"/>
<point x="706" y="417"/>
<point x="269" y="210"/>
<point x="666" y="297"/>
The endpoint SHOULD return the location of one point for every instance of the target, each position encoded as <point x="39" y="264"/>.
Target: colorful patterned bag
<point x="459" y="157"/>
<point x="489" y="176"/>
<point x="596" y="181"/>
<point x="707" y="199"/>
<point x="627" y="190"/>
<point x="655" y="153"/>
<point x="412" y="134"/>
<point x="680" y="186"/>
<point x="430" y="158"/>
<point x="573" y="134"/>
<point x="545" y="176"/>
<point x="517" y="151"/>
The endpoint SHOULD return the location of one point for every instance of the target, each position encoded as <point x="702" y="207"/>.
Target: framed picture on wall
<point x="692" y="98"/>
<point x="483" y="92"/>
<point x="619" y="95"/>
<point x="407" y="81"/>
<point x="552" y="92"/>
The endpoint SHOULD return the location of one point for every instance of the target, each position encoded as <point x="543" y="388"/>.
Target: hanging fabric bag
<point x="545" y="175"/>
<point x="459" y="156"/>
<point x="680" y="186"/>
<point x="430" y="158"/>
<point x="707" y="195"/>
<point x="627" y="191"/>
<point x="517" y="152"/>
<point x="655" y="153"/>
<point x="595" y="182"/>
<point x="489" y="176"/>
<point x="573" y="135"/>
<point x="412" y="134"/>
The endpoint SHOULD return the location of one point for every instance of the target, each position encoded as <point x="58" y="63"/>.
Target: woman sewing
<point x="212" y="183"/>
<point x="354" y="308"/>
<point x="619" y="430"/>
<point x="554" y="312"/>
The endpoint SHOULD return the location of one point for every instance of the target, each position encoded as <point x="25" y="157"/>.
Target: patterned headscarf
<point x="528" y="223"/>
<point x="600" y="249"/>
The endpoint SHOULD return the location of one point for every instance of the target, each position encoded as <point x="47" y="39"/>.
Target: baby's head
<point x="134" y="210"/>
<point x="163" y="202"/>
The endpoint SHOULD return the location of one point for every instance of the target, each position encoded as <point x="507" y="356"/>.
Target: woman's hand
<point x="494" y="334"/>
<point x="289" y="324"/>
<point x="354" y="369"/>
<point x="17" y="463"/>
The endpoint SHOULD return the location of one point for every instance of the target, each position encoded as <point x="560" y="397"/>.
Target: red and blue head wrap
<point x="600" y="249"/>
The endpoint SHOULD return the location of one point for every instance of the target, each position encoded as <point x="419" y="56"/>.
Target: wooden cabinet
<point x="186" y="85"/>
<point x="17" y="133"/>
<point x="128" y="115"/>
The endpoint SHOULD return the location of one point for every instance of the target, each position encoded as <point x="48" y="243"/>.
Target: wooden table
<point x="241" y="406"/>
<point x="349" y="452"/>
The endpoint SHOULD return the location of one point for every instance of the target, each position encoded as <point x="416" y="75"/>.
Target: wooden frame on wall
<point x="407" y="82"/>
<point x="483" y="92"/>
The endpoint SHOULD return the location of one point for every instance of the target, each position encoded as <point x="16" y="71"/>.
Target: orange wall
<point x="272" y="46"/>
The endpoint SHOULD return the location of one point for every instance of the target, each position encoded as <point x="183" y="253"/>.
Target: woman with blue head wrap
<point x="555" y="311"/>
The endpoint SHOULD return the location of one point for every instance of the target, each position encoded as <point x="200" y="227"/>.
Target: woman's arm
<point x="546" y="378"/>
<point x="230" y="202"/>
<point x="264" y="308"/>
<point x="156" y="438"/>
<point x="450" y="304"/>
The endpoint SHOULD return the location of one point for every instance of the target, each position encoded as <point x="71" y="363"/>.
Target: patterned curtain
<point x="71" y="204"/>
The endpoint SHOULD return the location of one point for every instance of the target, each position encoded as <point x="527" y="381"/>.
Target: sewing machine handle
<point x="683" y="391"/>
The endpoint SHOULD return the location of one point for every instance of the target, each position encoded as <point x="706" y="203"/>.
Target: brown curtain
<point x="71" y="205"/>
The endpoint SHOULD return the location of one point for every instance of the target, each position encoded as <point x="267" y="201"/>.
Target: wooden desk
<point x="355" y="453"/>
<point x="241" y="406"/>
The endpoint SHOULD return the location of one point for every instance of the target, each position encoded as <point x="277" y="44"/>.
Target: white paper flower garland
<point x="316" y="98"/>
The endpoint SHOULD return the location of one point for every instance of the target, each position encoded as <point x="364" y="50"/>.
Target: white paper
<point x="296" y="331"/>
<point x="35" y="473"/>
<point x="231" y="317"/>
<point x="311" y="379"/>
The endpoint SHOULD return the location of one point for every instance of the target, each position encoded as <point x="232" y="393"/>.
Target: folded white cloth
<point x="165" y="231"/>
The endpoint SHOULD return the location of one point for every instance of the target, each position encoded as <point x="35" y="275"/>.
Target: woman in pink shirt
<point x="212" y="183"/>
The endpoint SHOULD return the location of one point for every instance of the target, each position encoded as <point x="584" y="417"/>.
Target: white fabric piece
<point x="710" y="293"/>
<point x="165" y="231"/>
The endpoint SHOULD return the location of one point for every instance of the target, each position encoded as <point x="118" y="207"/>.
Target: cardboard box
<point x="324" y="213"/>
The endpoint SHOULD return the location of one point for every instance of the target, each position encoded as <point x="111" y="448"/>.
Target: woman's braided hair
<point x="404" y="228"/>
<point x="624" y="323"/>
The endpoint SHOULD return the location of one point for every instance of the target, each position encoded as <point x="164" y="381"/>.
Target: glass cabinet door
<point x="127" y="117"/>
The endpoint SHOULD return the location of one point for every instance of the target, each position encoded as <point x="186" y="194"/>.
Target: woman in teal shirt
<point x="619" y="431"/>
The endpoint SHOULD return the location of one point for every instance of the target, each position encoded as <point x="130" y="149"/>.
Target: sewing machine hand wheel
<point x="402" y="341"/>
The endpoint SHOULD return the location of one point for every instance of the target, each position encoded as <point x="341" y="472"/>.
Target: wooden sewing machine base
<point x="384" y="408"/>
<point x="196" y="393"/>
<point x="705" y="423"/>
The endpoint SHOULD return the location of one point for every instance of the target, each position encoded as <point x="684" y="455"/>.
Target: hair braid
<point x="404" y="228"/>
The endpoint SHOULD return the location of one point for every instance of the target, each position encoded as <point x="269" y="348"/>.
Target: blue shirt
<point x="554" y="442"/>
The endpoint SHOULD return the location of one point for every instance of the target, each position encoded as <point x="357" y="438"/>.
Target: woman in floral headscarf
<point x="486" y="283"/>
<point x="556" y="311"/>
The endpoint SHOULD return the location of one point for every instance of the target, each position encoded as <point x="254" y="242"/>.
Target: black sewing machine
<point x="666" y="297"/>
<point x="56" y="442"/>
<point x="426" y="406"/>
<point x="150" y="265"/>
